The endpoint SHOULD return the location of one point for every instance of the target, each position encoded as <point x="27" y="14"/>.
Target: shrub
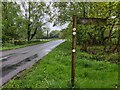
<point x="113" y="58"/>
<point x="98" y="57"/>
<point x="19" y="42"/>
<point x="8" y="45"/>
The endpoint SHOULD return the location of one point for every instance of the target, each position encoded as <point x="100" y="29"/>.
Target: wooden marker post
<point x="73" y="51"/>
<point x="83" y="21"/>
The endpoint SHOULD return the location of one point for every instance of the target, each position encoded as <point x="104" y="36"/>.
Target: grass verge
<point x="54" y="71"/>
<point x="12" y="46"/>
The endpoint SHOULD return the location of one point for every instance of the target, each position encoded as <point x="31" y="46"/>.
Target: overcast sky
<point x="50" y="25"/>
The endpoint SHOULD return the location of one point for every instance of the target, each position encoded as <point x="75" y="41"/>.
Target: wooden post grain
<point x="73" y="51"/>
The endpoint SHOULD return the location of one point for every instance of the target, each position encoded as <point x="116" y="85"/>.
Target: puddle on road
<point x="5" y="58"/>
<point x="8" y="69"/>
<point x="24" y="52"/>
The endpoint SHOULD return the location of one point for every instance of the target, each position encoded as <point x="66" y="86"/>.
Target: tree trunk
<point x="47" y="34"/>
<point x="33" y="33"/>
<point x="28" y="32"/>
<point x="109" y="39"/>
<point x="102" y="36"/>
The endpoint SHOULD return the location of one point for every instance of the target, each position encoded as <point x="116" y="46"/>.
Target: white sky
<point x="50" y="25"/>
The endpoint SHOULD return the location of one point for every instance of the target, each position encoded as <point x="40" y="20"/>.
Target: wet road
<point x="14" y="61"/>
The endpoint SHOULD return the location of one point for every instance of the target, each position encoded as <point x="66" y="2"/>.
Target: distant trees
<point x="54" y="34"/>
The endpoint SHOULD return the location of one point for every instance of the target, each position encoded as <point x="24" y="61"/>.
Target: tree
<point x="10" y="15"/>
<point x="35" y="13"/>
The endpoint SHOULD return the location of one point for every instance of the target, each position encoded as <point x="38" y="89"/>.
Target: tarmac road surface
<point x="14" y="61"/>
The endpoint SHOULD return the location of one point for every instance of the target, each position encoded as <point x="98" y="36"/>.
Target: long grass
<point x="54" y="71"/>
<point x="9" y="46"/>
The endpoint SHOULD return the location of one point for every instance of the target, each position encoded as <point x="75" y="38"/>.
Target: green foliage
<point x="106" y="35"/>
<point x="66" y="33"/>
<point x="97" y="53"/>
<point x="54" y="71"/>
<point x="9" y="20"/>
<point x="20" y="42"/>
<point x="113" y="58"/>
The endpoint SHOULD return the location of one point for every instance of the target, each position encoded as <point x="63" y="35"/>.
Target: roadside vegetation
<point x="54" y="71"/>
<point x="21" y="44"/>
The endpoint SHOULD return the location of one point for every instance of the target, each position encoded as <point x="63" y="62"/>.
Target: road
<point x="14" y="61"/>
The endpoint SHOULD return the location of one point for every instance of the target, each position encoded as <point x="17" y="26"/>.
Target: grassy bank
<point x="54" y="71"/>
<point x="9" y="46"/>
